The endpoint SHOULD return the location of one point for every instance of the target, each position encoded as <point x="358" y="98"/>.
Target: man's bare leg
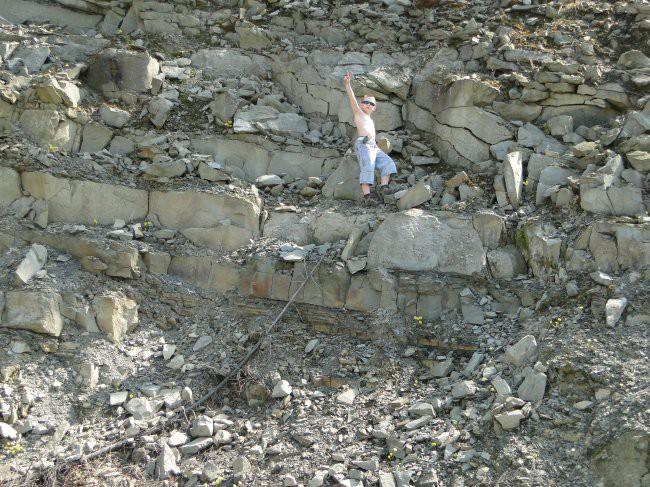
<point x="365" y="188"/>
<point x="385" y="180"/>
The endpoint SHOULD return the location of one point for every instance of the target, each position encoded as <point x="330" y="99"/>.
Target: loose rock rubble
<point x="171" y="173"/>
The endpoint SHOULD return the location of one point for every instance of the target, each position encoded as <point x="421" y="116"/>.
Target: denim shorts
<point x="370" y="157"/>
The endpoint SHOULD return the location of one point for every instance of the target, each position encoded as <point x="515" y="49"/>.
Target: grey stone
<point x="463" y="389"/>
<point x="281" y="390"/>
<point x="114" y="117"/>
<point x="95" y="137"/>
<point x="510" y="420"/>
<point x="533" y="387"/>
<point x="523" y="351"/>
<point x="506" y="262"/>
<point x="551" y="177"/>
<point x="513" y="177"/>
<point x="129" y="71"/>
<point x="422" y="409"/>
<point x="347" y="397"/>
<point x="634" y="59"/>
<point x="490" y="227"/>
<point x="142" y="408"/>
<point x="115" y="314"/>
<point x="170" y="168"/>
<point x="159" y="109"/>
<point x="31" y="264"/>
<point x="202" y="426"/>
<point x="33" y="311"/>
<point x="228" y="63"/>
<point x="560" y="125"/>
<point x="614" y="310"/>
<point x="615" y="200"/>
<point x="10" y="188"/>
<point x="415" y="196"/>
<point x="8" y="432"/>
<point x="225" y="105"/>
<point x="640" y="160"/>
<point x="414" y="240"/>
<point x="166" y="464"/>
<point x="501" y="386"/>
<point x="33" y="56"/>
<point x="241" y="468"/>
<point x="195" y="446"/>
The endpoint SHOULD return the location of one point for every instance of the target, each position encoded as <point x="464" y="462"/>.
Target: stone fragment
<point x="490" y="227"/>
<point x="195" y="446"/>
<point x="241" y="467"/>
<point x="33" y="311"/>
<point x="142" y="408"/>
<point x="10" y="187"/>
<point x="118" y="398"/>
<point x="159" y="109"/>
<point x="614" y="310"/>
<point x="113" y="116"/>
<point x="560" y="125"/>
<point x="640" y="160"/>
<point x="522" y="351"/>
<point x="129" y="71"/>
<point x="115" y="314"/>
<point x="31" y="264"/>
<point x="202" y="426"/>
<point x="281" y="389"/>
<point x="346" y="397"/>
<point x="633" y="59"/>
<point x="166" y="464"/>
<point x="510" y="420"/>
<point x="415" y="196"/>
<point x="602" y="278"/>
<point x="8" y="432"/>
<point x="533" y="387"/>
<point x="463" y="389"/>
<point x="95" y="137"/>
<point x="501" y="386"/>
<point x="513" y="177"/>
<point x="506" y="262"/>
<point x="422" y="409"/>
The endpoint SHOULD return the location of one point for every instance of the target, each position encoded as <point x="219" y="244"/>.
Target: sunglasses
<point x="366" y="102"/>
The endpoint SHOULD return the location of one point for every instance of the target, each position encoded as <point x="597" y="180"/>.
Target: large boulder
<point x="49" y="129"/>
<point x="198" y="209"/>
<point x="32" y="310"/>
<point x="116" y="70"/>
<point x="75" y="201"/>
<point x="417" y="241"/>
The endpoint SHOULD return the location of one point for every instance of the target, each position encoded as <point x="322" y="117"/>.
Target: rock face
<point x="193" y="209"/>
<point x="116" y="315"/>
<point x="33" y="311"/>
<point x="462" y="131"/>
<point x="416" y="241"/>
<point x="9" y="186"/>
<point x="86" y="202"/>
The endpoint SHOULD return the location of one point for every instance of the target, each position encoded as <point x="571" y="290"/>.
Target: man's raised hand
<point x="347" y="78"/>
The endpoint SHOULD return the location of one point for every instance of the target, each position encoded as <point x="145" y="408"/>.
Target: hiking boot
<point x="384" y="190"/>
<point x="368" y="201"/>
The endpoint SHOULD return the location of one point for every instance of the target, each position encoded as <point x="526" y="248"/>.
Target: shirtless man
<point x="369" y="155"/>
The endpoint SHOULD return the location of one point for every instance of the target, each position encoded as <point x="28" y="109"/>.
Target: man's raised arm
<point x="354" y="106"/>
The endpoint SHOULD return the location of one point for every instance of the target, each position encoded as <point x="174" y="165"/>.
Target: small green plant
<point x="147" y="225"/>
<point x="418" y="320"/>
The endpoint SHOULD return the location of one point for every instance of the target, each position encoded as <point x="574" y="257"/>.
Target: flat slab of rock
<point x="417" y="241"/>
